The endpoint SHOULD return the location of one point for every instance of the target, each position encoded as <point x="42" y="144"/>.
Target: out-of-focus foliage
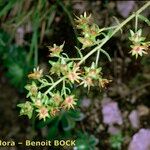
<point x="85" y="142"/>
<point x="23" y="26"/>
<point x="116" y="141"/>
<point x="62" y="126"/>
<point x="14" y="59"/>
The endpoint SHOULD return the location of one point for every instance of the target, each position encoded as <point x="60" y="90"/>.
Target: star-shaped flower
<point x="69" y="102"/>
<point x="43" y="113"/>
<point x="37" y="74"/>
<point x="73" y="74"/>
<point x="138" y="50"/>
<point x="55" y="50"/>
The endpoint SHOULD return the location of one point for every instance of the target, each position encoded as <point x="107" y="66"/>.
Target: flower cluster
<point x="55" y="50"/>
<point x="46" y="97"/>
<point x="89" y="30"/>
<point x="46" y="104"/>
<point x="93" y="76"/>
<point x="139" y="46"/>
<point x="37" y="74"/>
<point x="51" y="93"/>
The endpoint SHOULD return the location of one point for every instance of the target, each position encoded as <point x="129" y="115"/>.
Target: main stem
<point x="114" y="32"/>
<point x="103" y="42"/>
<point x="56" y="83"/>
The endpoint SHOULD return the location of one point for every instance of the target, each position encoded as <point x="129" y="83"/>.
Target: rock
<point x="134" y="119"/>
<point x="141" y="140"/>
<point x="125" y="7"/>
<point x="113" y="130"/>
<point x="85" y="102"/>
<point x="143" y="110"/>
<point x="111" y="113"/>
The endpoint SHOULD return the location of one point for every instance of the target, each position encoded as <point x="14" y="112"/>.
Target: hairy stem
<point x="97" y="57"/>
<point x="114" y="32"/>
<point x="55" y="84"/>
<point x="136" y="22"/>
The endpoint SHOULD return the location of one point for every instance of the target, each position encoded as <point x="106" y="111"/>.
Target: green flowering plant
<point x="85" y="141"/>
<point x="139" y="46"/>
<point x="52" y="93"/>
<point x="116" y="141"/>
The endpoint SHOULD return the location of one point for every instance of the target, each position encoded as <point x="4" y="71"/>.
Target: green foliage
<point x="139" y="46"/>
<point x="14" y="60"/>
<point x="35" y="15"/>
<point x="63" y="125"/>
<point x="85" y="142"/>
<point x="116" y="141"/>
<point x="26" y="109"/>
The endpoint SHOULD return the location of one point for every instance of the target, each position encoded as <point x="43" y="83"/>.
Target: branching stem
<point x="56" y="83"/>
<point x="114" y="32"/>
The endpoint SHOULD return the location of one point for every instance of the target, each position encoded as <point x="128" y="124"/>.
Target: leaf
<point x="144" y="19"/>
<point x="16" y="65"/>
<point x="15" y="73"/>
<point x="81" y="145"/>
<point x="104" y="52"/>
<point x="67" y="123"/>
<point x="139" y="32"/>
<point x="53" y="131"/>
<point x="14" y="60"/>
<point x="42" y="124"/>
<point x="7" y="7"/>
<point x="131" y="33"/>
<point x="118" y="23"/>
<point x="76" y="115"/>
<point x="85" y="142"/>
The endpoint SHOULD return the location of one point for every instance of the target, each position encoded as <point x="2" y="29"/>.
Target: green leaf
<point x="76" y="115"/>
<point x="7" y="7"/>
<point x="107" y="55"/>
<point x="67" y="123"/>
<point x="53" y="131"/>
<point x="26" y="109"/>
<point x="116" y="141"/>
<point x="42" y="124"/>
<point x="131" y="33"/>
<point x="16" y="73"/>
<point x="144" y="19"/>
<point x="14" y="60"/>
<point x="85" y="142"/>
<point x="139" y="32"/>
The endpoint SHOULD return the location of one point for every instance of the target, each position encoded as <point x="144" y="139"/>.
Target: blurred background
<point x="104" y="120"/>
